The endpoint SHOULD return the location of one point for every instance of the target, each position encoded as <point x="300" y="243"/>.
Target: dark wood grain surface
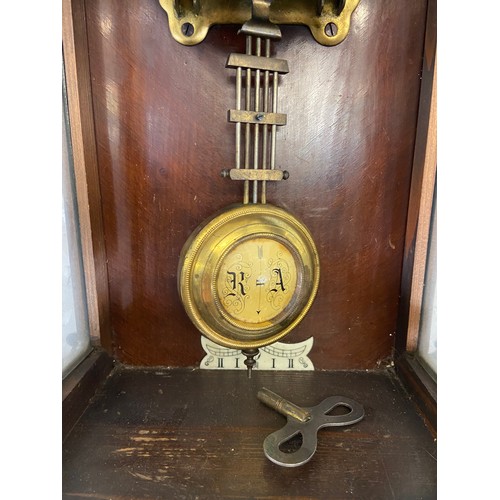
<point x="161" y="434"/>
<point x="409" y="307"/>
<point x="80" y="386"/>
<point x="162" y="138"/>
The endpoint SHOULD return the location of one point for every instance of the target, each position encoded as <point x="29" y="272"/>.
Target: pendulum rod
<point x="273" y="126"/>
<point x="260" y="115"/>
<point x="248" y="88"/>
<point x="265" y="109"/>
<point x="256" y="127"/>
<point x="260" y="111"/>
<point x="237" y="149"/>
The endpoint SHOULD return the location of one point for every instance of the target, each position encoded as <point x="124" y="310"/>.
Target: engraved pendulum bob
<point x="249" y="274"/>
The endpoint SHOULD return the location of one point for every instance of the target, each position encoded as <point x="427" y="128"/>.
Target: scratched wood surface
<point x="162" y="138"/>
<point x="196" y="434"/>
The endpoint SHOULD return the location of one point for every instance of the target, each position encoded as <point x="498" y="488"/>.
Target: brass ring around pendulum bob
<point x="248" y="275"/>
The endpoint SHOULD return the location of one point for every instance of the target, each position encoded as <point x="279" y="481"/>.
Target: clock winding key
<point x="306" y="422"/>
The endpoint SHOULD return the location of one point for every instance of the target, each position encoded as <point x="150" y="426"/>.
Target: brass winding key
<point x="304" y="421"/>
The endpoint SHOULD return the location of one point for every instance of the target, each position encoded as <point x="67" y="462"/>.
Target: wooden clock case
<point x="149" y="136"/>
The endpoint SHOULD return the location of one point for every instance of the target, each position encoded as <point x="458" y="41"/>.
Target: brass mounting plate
<point x="190" y="20"/>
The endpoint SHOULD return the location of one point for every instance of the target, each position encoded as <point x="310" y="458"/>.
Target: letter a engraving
<point x="279" y="280"/>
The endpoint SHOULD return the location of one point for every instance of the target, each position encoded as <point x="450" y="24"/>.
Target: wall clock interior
<point x="249" y="273"/>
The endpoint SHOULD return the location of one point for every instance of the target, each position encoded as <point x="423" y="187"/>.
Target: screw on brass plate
<point x="187" y="29"/>
<point x="259" y="117"/>
<point x="330" y="29"/>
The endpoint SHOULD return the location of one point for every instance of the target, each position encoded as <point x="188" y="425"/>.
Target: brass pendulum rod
<point x="248" y="88"/>
<point x="273" y="126"/>
<point x="238" y="125"/>
<point x="257" y="117"/>
<point x="266" y="109"/>
<point x="257" y="162"/>
<point x="258" y="68"/>
<point x="258" y="102"/>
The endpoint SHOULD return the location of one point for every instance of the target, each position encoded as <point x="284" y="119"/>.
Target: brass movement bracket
<point x="190" y="20"/>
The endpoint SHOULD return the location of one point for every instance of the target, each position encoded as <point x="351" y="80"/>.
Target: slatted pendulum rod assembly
<point x="256" y="118"/>
<point x="259" y="116"/>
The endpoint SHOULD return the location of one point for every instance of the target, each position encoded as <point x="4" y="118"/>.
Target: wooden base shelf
<point x="189" y="433"/>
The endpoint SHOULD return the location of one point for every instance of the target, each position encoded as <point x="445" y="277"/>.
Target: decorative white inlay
<point x="277" y="356"/>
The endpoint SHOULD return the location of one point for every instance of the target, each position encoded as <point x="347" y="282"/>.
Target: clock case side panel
<point x="408" y="367"/>
<point x="85" y="163"/>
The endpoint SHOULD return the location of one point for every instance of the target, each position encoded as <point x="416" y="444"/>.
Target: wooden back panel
<point x="162" y="138"/>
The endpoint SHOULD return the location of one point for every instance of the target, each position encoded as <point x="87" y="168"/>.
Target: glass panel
<point x="75" y="326"/>
<point x="427" y="345"/>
